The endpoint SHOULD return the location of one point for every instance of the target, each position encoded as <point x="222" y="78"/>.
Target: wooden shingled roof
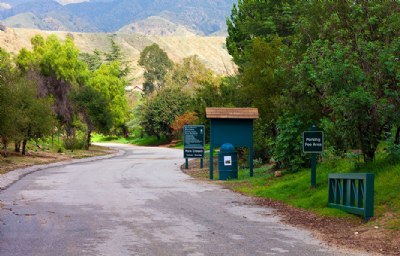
<point x="232" y="113"/>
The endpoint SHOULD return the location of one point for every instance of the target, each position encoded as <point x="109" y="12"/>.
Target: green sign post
<point x="193" y="141"/>
<point x="313" y="143"/>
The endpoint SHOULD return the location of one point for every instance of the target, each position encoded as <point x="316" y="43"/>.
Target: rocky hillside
<point x="211" y="50"/>
<point x="205" y="17"/>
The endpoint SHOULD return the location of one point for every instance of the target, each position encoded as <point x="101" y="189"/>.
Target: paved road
<point x="138" y="204"/>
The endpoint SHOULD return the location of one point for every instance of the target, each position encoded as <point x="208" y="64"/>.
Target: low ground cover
<point x="140" y="141"/>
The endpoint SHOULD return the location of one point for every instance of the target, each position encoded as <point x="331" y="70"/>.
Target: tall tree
<point x="265" y="19"/>
<point x="7" y="106"/>
<point x="116" y="55"/>
<point x="93" y="60"/>
<point x="352" y="69"/>
<point x="94" y="109"/>
<point x="108" y="82"/>
<point x="160" y="110"/>
<point x="35" y="117"/>
<point x="336" y="62"/>
<point x="156" y="64"/>
<point x="60" y="71"/>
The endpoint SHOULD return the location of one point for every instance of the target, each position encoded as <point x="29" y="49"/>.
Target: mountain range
<point x="149" y="17"/>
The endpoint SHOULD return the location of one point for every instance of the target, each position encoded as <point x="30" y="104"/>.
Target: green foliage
<point x="287" y="147"/>
<point x="94" y="107"/>
<point x="116" y="55"/>
<point x="134" y="140"/>
<point x="331" y="62"/>
<point x="160" y="110"/>
<point x="59" y="59"/>
<point x="156" y="64"/>
<point x="262" y="83"/>
<point x="294" y="188"/>
<point x="7" y="108"/>
<point x="93" y="60"/>
<point x="393" y="153"/>
<point x="56" y="66"/>
<point x="35" y="118"/>
<point x="191" y="73"/>
<point x="262" y="141"/>
<point x="75" y="142"/>
<point x="258" y="19"/>
<point x="108" y="82"/>
<point x="96" y="95"/>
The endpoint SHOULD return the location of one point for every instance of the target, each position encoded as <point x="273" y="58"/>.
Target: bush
<point x="262" y="141"/>
<point x="287" y="147"/>
<point x="393" y="153"/>
<point x="77" y="142"/>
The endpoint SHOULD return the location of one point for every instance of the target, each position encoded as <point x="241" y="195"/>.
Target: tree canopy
<point x="333" y="63"/>
<point x="156" y="64"/>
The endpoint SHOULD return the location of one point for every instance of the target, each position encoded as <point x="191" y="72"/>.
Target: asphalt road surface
<point x="139" y="203"/>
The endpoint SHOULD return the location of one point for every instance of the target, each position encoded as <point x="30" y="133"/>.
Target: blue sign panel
<point x="193" y="141"/>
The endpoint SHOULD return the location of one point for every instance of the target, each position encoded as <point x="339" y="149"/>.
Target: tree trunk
<point x="397" y="138"/>
<point x="24" y="142"/>
<point x="368" y="149"/>
<point x="4" y="141"/>
<point x="88" y="139"/>
<point x="17" y="146"/>
<point x="369" y="156"/>
<point x="125" y="131"/>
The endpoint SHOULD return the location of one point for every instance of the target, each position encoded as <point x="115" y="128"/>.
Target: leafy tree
<point x="93" y="107"/>
<point x="34" y="115"/>
<point x="156" y="64"/>
<point x="59" y="70"/>
<point x="335" y="61"/>
<point x="191" y="73"/>
<point x="287" y="148"/>
<point x="108" y="82"/>
<point x="7" y="111"/>
<point x="180" y="121"/>
<point x="353" y="72"/>
<point x="93" y="60"/>
<point x="116" y="55"/>
<point x="265" y="19"/>
<point x="160" y="110"/>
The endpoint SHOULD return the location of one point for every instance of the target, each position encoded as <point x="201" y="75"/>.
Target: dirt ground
<point x="16" y="160"/>
<point x="351" y="233"/>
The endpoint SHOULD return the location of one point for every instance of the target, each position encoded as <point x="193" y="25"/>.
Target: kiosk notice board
<point x="193" y="141"/>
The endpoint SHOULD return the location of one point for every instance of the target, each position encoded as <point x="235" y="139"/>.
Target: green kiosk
<point x="234" y="126"/>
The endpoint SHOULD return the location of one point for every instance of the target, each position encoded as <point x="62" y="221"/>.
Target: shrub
<point x="287" y="147"/>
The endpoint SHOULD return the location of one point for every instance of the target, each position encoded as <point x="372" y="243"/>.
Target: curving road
<point x="139" y="203"/>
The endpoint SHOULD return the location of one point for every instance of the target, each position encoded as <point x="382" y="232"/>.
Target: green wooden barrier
<point x="352" y="192"/>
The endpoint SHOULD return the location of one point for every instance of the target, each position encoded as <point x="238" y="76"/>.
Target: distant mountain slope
<point x="211" y="50"/>
<point x="205" y="17"/>
<point x="156" y="26"/>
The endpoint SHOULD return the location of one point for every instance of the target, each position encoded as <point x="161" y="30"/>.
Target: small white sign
<point x="227" y="160"/>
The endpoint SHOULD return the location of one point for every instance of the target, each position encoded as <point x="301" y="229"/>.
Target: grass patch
<point x="145" y="141"/>
<point x="294" y="189"/>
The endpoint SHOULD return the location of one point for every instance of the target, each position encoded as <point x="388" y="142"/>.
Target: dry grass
<point x="211" y="50"/>
<point x="15" y="160"/>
